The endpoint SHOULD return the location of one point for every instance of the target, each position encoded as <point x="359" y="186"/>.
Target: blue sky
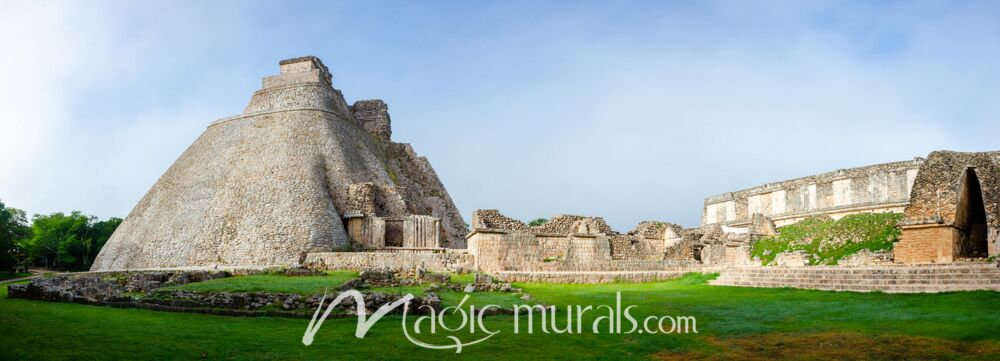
<point x="626" y="110"/>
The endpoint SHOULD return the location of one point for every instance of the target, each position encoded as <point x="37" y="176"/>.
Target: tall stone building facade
<point x="298" y="171"/>
<point x="875" y="188"/>
<point x="950" y="201"/>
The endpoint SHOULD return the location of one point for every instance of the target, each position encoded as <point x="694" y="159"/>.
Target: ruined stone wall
<point x="585" y="250"/>
<point x="497" y="250"/>
<point x="931" y="232"/>
<point x="722" y="254"/>
<point x="553" y="247"/>
<point x="402" y="260"/>
<point x="631" y="247"/>
<point x="867" y="258"/>
<point x="492" y="219"/>
<point x="587" y="277"/>
<point x="272" y="184"/>
<point x="875" y="188"/>
<point x="425" y="193"/>
<point x="373" y="116"/>
<point x="362" y="198"/>
<point x="500" y="251"/>
<point x="936" y="190"/>
<point x="566" y="224"/>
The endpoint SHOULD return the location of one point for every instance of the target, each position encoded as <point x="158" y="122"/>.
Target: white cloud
<point x="45" y="46"/>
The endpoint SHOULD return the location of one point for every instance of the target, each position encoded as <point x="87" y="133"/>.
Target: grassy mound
<point x="827" y="241"/>
<point x="304" y="285"/>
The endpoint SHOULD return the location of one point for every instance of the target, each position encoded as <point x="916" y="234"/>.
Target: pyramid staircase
<point x="889" y="278"/>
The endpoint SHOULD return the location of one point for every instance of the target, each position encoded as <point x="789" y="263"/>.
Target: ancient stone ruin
<point x="301" y="178"/>
<point x="954" y="209"/>
<point x="951" y="201"/>
<point x="875" y="188"/>
<point x="298" y="171"/>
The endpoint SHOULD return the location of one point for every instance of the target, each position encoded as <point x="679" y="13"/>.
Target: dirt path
<point x="35" y="273"/>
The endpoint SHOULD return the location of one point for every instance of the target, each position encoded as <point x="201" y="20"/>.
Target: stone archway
<point x="970" y="218"/>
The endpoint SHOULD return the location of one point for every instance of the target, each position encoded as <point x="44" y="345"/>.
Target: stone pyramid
<point x="279" y="181"/>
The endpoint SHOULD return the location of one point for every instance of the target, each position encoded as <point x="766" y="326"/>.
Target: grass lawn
<point x="305" y="285"/>
<point x="733" y="323"/>
<point x="827" y="241"/>
<point x="9" y="276"/>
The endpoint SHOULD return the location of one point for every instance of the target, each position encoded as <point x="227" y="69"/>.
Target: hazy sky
<point x="630" y="111"/>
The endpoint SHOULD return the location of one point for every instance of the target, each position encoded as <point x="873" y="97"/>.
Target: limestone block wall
<point x="876" y="188"/>
<point x="425" y="194"/>
<point x="373" y="115"/>
<point x="585" y="250"/>
<point x="493" y="219"/>
<point x="401" y="260"/>
<point x="867" y="258"/>
<point x="726" y="255"/>
<point x="630" y="247"/>
<point x="937" y="190"/>
<point x="361" y="198"/>
<point x="496" y="250"/>
<point x="553" y="247"/>
<point x="932" y="228"/>
<point x="566" y="224"/>
<point x="272" y="184"/>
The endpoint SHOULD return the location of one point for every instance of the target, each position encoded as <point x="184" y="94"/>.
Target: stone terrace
<point x="889" y="279"/>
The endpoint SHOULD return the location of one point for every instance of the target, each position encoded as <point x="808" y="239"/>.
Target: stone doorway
<point x="393" y="232"/>
<point x="970" y="218"/>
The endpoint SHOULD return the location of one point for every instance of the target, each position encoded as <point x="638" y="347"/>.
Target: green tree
<point x="13" y="230"/>
<point x="538" y="222"/>
<point x="61" y="241"/>
<point x="68" y="241"/>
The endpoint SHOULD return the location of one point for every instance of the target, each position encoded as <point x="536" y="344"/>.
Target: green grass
<point x="9" y="276"/>
<point x="417" y="290"/>
<point x="480" y="299"/>
<point x="463" y="278"/>
<point x="827" y="241"/>
<point x="731" y="321"/>
<point x="304" y="285"/>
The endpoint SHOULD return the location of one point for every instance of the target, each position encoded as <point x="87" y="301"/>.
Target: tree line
<point x="68" y="242"/>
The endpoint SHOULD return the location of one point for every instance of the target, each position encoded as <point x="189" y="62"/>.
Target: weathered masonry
<point x="954" y="211"/>
<point x="950" y="200"/>
<point x="300" y="172"/>
<point x="875" y="188"/>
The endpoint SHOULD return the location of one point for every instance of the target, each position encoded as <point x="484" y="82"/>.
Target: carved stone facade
<point x="569" y="243"/>
<point x="875" y="188"/>
<point x="954" y="211"/>
<point x="286" y="178"/>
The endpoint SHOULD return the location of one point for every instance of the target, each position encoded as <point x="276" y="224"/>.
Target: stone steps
<point x="868" y="288"/>
<point x="893" y="279"/>
<point x="870" y="281"/>
<point x="871" y="276"/>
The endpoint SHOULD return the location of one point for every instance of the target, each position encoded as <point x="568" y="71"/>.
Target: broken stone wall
<point x="877" y="187"/>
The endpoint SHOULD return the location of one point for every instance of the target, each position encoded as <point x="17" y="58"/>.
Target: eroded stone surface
<point x="272" y="184"/>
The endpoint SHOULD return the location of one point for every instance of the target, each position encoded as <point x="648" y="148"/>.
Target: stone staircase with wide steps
<point x="888" y="278"/>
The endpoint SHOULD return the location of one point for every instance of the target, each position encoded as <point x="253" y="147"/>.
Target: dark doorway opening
<point x="970" y="218"/>
<point x="393" y="232"/>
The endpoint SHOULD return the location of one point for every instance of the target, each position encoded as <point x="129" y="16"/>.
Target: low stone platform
<point x="592" y="277"/>
<point x="889" y="278"/>
<point x="438" y="260"/>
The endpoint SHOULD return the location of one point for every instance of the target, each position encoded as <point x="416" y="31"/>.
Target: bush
<point x="826" y="241"/>
<point x="537" y="222"/>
